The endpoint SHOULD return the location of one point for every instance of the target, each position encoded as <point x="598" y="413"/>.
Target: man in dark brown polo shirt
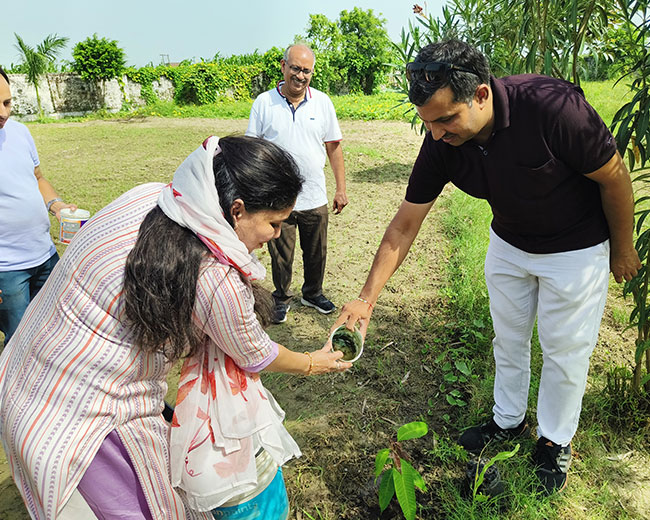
<point x="562" y="207"/>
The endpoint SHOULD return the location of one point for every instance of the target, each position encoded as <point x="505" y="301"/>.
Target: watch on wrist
<point x="51" y="202"/>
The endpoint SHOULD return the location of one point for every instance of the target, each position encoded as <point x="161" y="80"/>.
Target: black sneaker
<point x="320" y="303"/>
<point x="552" y="461"/>
<point x="492" y="484"/>
<point x="477" y="437"/>
<point x="280" y="312"/>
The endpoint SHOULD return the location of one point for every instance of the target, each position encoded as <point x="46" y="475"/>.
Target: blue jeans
<point x="18" y="289"/>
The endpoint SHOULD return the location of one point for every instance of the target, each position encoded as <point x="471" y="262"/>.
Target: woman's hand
<point x="326" y="360"/>
<point x="322" y="361"/>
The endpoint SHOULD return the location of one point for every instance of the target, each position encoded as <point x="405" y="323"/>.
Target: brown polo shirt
<point x="531" y="171"/>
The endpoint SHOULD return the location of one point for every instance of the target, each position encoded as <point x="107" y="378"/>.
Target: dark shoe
<point x="280" y="312"/>
<point x="492" y="484"/>
<point x="477" y="437"/>
<point x="552" y="461"/>
<point x="320" y="303"/>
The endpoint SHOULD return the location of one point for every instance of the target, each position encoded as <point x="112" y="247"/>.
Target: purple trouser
<point x="110" y="484"/>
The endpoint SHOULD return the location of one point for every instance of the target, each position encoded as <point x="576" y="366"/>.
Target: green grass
<point x="607" y="425"/>
<point x="467" y="221"/>
<point x="606" y="97"/>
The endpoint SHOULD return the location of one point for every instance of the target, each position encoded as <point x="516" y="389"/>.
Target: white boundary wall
<point x="69" y="95"/>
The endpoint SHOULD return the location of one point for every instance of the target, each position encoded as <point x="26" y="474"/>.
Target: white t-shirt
<point x="302" y="132"/>
<point x="24" y="225"/>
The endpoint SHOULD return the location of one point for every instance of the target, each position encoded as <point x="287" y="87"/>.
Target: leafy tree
<point x="620" y="48"/>
<point x="98" y="59"/>
<point x="632" y="130"/>
<point x="352" y="53"/>
<point x="324" y="37"/>
<point x="543" y="36"/>
<point x="37" y="60"/>
<point x="365" y="47"/>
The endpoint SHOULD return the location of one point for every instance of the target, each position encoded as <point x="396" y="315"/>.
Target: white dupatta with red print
<point x="192" y="201"/>
<point x="223" y="414"/>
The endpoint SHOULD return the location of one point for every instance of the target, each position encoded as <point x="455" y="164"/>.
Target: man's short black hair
<point x="462" y="84"/>
<point x="4" y="74"/>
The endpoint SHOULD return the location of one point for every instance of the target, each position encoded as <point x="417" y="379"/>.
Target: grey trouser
<point x="312" y="227"/>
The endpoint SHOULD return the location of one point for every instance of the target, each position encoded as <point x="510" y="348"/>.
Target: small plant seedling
<point x="481" y="470"/>
<point x="400" y="478"/>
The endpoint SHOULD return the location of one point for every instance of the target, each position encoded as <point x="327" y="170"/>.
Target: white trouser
<point x="567" y="293"/>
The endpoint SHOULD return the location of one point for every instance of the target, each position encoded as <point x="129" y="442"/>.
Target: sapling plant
<point x="397" y="475"/>
<point x="480" y="469"/>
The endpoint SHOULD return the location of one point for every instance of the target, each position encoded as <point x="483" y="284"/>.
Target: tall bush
<point x="324" y="37"/>
<point x="98" y="59"/>
<point x="632" y="130"/>
<point x="365" y="47"/>
<point x="542" y="36"/>
<point x="352" y="53"/>
<point x="205" y="82"/>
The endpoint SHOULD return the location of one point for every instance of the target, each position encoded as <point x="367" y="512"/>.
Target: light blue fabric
<point x="25" y="227"/>
<point x="270" y="504"/>
<point x="18" y="289"/>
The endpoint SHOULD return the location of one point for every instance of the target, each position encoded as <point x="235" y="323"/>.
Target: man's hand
<point x="58" y="206"/>
<point x="353" y="312"/>
<point x="340" y="201"/>
<point x="624" y="265"/>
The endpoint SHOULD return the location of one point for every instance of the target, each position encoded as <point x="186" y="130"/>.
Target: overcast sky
<point x="183" y="30"/>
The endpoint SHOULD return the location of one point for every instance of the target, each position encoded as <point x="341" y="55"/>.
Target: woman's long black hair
<point x="163" y="267"/>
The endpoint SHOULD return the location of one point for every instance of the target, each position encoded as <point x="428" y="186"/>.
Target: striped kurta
<point x="71" y="375"/>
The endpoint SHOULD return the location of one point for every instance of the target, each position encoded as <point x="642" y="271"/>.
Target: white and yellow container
<point x="71" y="222"/>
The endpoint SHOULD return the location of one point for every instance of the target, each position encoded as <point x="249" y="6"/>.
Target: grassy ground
<point x="427" y="354"/>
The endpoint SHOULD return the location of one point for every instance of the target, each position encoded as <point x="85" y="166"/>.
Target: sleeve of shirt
<point x="32" y="148"/>
<point x="579" y="136"/>
<point x="332" y="129"/>
<point x="254" y="120"/>
<point x="426" y="181"/>
<point x="224" y="310"/>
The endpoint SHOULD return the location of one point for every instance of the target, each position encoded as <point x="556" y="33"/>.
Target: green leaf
<point x="645" y="379"/>
<point x="405" y="492"/>
<point x="504" y="455"/>
<point x="462" y="367"/>
<point x="641" y="347"/>
<point x="454" y="401"/>
<point x="386" y="488"/>
<point x="380" y="461"/>
<point x="415" y="476"/>
<point x="480" y="476"/>
<point x="412" y="430"/>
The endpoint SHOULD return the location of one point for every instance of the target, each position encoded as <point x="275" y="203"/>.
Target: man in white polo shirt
<point x="27" y="254"/>
<point x="302" y="120"/>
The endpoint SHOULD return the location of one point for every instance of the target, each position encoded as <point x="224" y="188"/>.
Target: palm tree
<point x="36" y="60"/>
